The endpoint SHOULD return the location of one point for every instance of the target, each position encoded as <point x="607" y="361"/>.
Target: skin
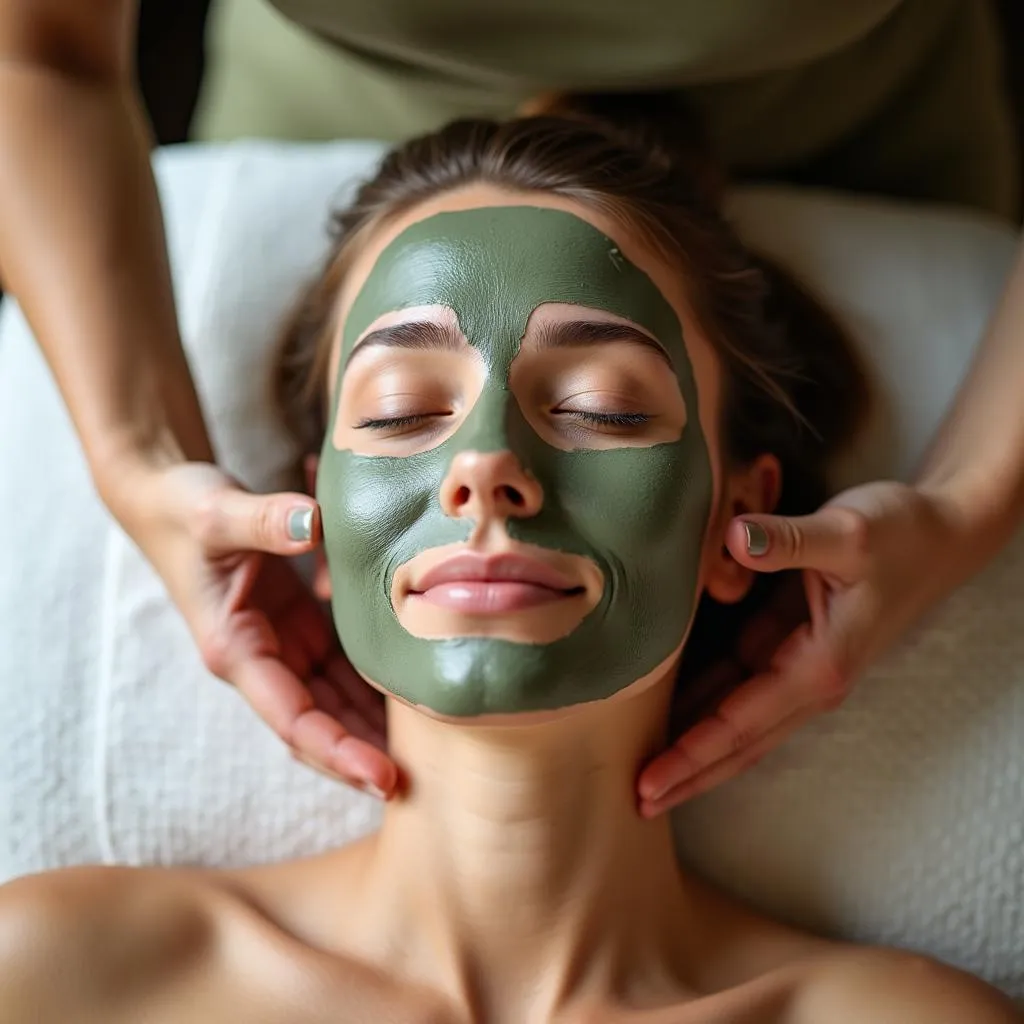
<point x="512" y="881"/>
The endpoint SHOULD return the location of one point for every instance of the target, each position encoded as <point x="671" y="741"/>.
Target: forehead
<point x="476" y="196"/>
<point x="494" y="265"/>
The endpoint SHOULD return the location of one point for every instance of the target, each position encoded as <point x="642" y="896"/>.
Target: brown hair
<point x="793" y="386"/>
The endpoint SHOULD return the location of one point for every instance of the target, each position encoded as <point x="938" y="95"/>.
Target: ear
<point x="754" y="487"/>
<point x="321" y="575"/>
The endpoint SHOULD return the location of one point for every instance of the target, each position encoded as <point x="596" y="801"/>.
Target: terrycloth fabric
<point x="899" y="819"/>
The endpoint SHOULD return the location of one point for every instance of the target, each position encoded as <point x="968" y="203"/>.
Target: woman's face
<point x="522" y="462"/>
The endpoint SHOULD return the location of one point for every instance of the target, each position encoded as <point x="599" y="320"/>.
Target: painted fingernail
<point x="757" y="539"/>
<point x="300" y="524"/>
<point x="372" y="790"/>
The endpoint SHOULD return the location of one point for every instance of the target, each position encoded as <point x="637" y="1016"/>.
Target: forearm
<point x="977" y="458"/>
<point x="82" y="249"/>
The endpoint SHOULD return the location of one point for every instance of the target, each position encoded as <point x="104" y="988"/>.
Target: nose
<point x="489" y="485"/>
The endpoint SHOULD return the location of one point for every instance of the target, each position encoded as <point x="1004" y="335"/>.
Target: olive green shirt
<point x="902" y="97"/>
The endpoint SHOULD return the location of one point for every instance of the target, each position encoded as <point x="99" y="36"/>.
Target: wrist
<point x="124" y="461"/>
<point x="985" y="507"/>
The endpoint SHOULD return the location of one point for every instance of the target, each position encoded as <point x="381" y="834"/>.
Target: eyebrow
<point x="583" y="333"/>
<point x="425" y="335"/>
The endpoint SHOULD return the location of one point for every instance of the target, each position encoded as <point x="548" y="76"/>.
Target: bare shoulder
<point x="76" y="944"/>
<point x="894" y="987"/>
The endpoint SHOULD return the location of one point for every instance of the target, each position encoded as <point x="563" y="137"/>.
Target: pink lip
<point x="505" y="568"/>
<point x="479" y="584"/>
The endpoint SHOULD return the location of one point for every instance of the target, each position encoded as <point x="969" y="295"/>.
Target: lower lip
<point x="482" y="597"/>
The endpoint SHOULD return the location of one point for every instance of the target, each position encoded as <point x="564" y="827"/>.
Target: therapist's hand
<point x="218" y="548"/>
<point x="874" y="559"/>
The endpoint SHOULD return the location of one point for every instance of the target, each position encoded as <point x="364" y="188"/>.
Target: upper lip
<point x="503" y="568"/>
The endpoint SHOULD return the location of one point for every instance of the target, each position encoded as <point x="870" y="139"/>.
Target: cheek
<point x="642" y="514"/>
<point x="633" y="502"/>
<point x="377" y="513"/>
<point x="368" y="504"/>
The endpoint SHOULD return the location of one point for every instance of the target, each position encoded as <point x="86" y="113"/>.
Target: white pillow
<point x="898" y="819"/>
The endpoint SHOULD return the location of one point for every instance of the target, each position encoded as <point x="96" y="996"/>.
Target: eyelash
<point x="606" y="419"/>
<point x="391" y="422"/>
<point x="597" y="419"/>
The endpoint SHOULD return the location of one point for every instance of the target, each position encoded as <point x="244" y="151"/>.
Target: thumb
<point x="231" y="520"/>
<point x="832" y="540"/>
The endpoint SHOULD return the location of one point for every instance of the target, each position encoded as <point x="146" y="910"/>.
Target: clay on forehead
<point x="495" y="265"/>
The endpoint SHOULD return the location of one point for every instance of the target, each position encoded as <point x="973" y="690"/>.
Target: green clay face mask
<point x="638" y="513"/>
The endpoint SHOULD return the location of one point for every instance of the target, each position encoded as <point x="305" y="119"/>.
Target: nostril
<point x="513" y="496"/>
<point x="462" y="495"/>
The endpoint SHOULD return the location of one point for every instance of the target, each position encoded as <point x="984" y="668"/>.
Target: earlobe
<point x="755" y="487"/>
<point x="725" y="580"/>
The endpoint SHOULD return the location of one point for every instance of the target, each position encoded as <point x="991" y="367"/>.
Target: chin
<point x="473" y="697"/>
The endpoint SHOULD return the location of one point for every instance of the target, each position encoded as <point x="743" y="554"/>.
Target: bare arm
<point x="82" y="248"/>
<point x="81" y="235"/>
<point x="977" y="458"/>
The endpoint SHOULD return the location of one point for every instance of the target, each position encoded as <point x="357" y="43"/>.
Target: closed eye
<point x="397" y="422"/>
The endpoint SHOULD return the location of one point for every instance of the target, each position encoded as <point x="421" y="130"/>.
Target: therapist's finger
<point x="767" y="629"/>
<point x="834" y="540"/>
<point x="749" y="712"/>
<point x="696" y="697"/>
<point x="810" y="671"/>
<point x="328" y="699"/>
<point x="754" y="650"/>
<point x="359" y="695"/>
<point x="286" y="704"/>
<point x="729" y="767"/>
<point x="322" y="739"/>
<point x="229" y="520"/>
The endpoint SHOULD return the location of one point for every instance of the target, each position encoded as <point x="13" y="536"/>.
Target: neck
<point x="517" y="870"/>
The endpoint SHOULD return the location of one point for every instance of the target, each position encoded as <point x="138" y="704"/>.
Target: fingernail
<point x="668" y="800"/>
<point x="300" y="524"/>
<point x="372" y="790"/>
<point x="757" y="539"/>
